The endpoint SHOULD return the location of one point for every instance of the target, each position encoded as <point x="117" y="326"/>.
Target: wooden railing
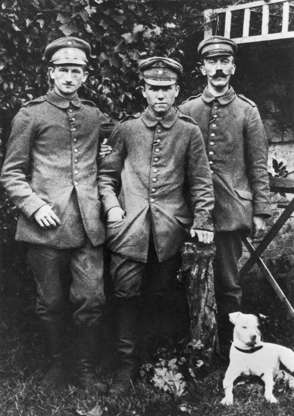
<point x="252" y="22"/>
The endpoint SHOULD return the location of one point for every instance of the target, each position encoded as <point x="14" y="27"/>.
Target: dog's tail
<point x="286" y="356"/>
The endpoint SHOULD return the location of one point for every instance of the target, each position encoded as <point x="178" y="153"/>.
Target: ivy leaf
<point x="62" y="18"/>
<point x="128" y="37"/>
<point x="68" y="29"/>
<point x="90" y="10"/>
<point x="41" y="23"/>
<point x="16" y="28"/>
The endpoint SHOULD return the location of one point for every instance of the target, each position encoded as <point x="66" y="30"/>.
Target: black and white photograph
<point x="146" y="207"/>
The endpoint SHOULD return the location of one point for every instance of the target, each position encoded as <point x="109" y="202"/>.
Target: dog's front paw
<point x="271" y="398"/>
<point x="227" y="400"/>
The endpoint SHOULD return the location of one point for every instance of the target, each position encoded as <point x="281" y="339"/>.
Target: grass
<point x="22" y="364"/>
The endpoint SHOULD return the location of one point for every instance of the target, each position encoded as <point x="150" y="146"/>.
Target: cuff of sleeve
<point x="110" y="201"/>
<point x="203" y="221"/>
<point x="32" y="204"/>
<point x="262" y="210"/>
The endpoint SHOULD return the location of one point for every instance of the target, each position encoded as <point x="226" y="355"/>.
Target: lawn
<point x="22" y="365"/>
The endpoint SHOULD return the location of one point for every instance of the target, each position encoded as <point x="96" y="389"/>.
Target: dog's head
<point x="246" y="331"/>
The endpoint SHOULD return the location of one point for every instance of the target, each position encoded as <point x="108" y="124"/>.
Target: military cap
<point x="215" y="46"/>
<point x="67" y="50"/>
<point x="159" y="70"/>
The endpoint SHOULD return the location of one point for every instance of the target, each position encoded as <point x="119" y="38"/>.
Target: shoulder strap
<point x="37" y="100"/>
<point x="252" y="103"/>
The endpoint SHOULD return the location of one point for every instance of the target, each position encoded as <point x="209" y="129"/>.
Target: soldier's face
<point x="67" y="78"/>
<point x="160" y="98"/>
<point x="218" y="70"/>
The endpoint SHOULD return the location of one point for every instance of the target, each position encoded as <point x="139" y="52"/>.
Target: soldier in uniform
<point x="156" y="157"/>
<point x="50" y="173"/>
<point x="236" y="146"/>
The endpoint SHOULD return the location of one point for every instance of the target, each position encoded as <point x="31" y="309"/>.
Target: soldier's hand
<point x="105" y="149"/>
<point x="259" y="225"/>
<point x="46" y="217"/>
<point x="115" y="214"/>
<point x="204" y="236"/>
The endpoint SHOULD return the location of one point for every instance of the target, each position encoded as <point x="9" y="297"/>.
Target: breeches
<point x="227" y="280"/>
<point x="131" y="278"/>
<point x="83" y="286"/>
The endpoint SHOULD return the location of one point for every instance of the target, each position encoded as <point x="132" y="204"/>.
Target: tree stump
<point x="197" y="274"/>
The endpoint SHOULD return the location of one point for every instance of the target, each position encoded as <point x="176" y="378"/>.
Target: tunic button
<point x="75" y="140"/>
<point x="154" y="180"/>
<point x="212" y="143"/>
<point x="76" y="182"/>
<point x="156" y="159"/>
<point x="76" y="171"/>
<point x="213" y="125"/>
<point x="76" y="160"/>
<point x="155" y="170"/>
<point x="76" y="150"/>
<point x="152" y="199"/>
<point x="212" y="134"/>
<point x="156" y="150"/>
<point x="211" y="162"/>
<point x="73" y="129"/>
<point x="153" y="189"/>
<point x="211" y="153"/>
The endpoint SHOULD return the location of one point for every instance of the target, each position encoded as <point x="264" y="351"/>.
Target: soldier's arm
<point x="110" y="167"/>
<point x="107" y="126"/>
<point x="16" y="166"/>
<point x="200" y="183"/>
<point x="256" y="160"/>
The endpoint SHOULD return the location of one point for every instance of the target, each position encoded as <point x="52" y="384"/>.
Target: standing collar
<point x="62" y="102"/>
<point x="150" y="120"/>
<point x="223" y="99"/>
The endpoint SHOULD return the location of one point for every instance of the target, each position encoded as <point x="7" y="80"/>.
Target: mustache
<point x="219" y="74"/>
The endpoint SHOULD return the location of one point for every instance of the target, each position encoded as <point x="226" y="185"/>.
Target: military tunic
<point x="237" y="149"/>
<point x="159" y="174"/>
<point x="52" y="159"/>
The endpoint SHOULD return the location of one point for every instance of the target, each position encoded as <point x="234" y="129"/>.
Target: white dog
<point x="250" y="356"/>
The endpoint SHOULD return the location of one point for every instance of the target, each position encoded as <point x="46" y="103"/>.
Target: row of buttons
<point x="72" y="119"/>
<point x="156" y="159"/>
<point x="212" y="133"/>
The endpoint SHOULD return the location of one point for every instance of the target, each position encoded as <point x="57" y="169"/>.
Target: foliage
<point x="278" y="168"/>
<point x="167" y="375"/>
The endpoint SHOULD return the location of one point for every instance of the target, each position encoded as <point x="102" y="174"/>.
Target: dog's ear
<point x="233" y="317"/>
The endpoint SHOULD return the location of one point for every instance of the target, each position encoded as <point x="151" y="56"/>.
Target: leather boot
<point x="55" y="375"/>
<point x="126" y="316"/>
<point x="86" y="361"/>
<point x="225" y="336"/>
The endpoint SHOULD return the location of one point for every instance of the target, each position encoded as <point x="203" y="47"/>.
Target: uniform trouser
<point x="131" y="278"/>
<point x="227" y="280"/>
<point x="155" y="284"/>
<point x="84" y="288"/>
